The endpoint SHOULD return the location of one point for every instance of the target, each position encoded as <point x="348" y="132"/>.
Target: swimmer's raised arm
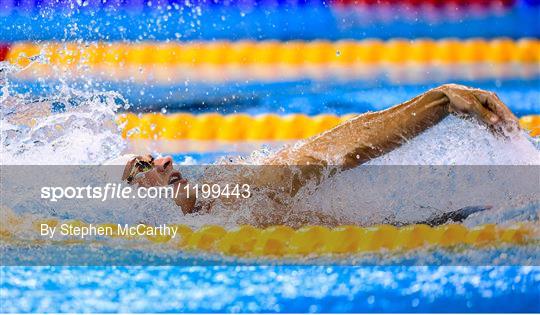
<point x="349" y="144"/>
<point x="373" y="134"/>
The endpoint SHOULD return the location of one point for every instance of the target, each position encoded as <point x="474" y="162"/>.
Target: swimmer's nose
<point x="164" y="163"/>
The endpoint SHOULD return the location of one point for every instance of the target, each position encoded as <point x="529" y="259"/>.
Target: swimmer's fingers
<point x="508" y="121"/>
<point x="484" y="114"/>
<point x="485" y="106"/>
<point x="464" y="102"/>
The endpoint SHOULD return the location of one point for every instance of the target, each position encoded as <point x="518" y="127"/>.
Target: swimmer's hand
<point x="485" y="106"/>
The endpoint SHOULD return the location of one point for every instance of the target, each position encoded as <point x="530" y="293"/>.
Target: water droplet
<point x="133" y="131"/>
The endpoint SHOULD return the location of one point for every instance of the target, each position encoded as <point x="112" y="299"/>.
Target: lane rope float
<point x="235" y="127"/>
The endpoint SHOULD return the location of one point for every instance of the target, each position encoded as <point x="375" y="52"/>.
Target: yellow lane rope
<point x="236" y="127"/>
<point x="293" y="53"/>
<point x="281" y="241"/>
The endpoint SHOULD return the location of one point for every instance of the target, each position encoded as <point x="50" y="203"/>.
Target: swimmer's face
<point x="145" y="171"/>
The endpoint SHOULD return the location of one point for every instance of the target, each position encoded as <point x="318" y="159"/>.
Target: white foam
<point x="354" y="198"/>
<point x="85" y="133"/>
<point x="456" y="141"/>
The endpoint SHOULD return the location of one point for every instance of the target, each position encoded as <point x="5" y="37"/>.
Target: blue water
<point x="270" y="289"/>
<point x="286" y="288"/>
<point x="307" y="97"/>
<point x="314" y="21"/>
<point x="217" y="288"/>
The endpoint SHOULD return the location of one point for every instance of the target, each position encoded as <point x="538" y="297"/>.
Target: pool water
<point x="212" y="286"/>
<point x="72" y="116"/>
<point x="261" y="289"/>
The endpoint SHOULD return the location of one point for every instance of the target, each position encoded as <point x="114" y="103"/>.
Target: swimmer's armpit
<point x="454" y="216"/>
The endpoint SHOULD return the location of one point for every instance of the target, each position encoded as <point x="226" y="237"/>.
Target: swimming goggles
<point x="139" y="165"/>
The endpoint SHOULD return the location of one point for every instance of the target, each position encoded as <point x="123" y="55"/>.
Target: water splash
<point x="456" y="141"/>
<point x="67" y="127"/>
<point x="383" y="196"/>
<point x="78" y="127"/>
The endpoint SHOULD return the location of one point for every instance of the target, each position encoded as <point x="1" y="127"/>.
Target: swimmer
<point x="351" y="143"/>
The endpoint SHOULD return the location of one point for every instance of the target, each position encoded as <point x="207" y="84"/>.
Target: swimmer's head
<point x="147" y="171"/>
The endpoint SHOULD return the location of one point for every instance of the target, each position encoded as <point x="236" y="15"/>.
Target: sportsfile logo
<point x="119" y="191"/>
<point x="108" y="192"/>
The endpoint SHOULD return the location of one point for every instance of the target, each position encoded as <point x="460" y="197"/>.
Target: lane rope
<point x="282" y="241"/>
<point x="292" y="53"/>
<point x="238" y="127"/>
